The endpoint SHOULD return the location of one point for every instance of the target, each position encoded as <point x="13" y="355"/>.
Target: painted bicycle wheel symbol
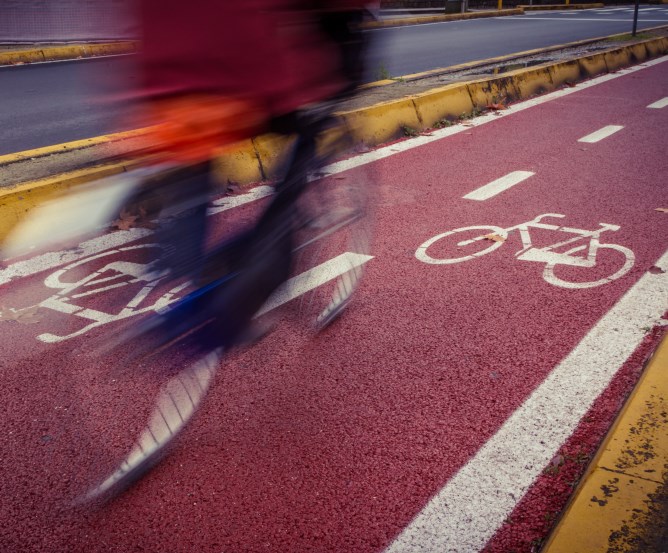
<point x="109" y="278"/>
<point x="578" y="251"/>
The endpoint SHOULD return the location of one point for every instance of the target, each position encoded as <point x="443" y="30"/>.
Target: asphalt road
<point x="425" y="417"/>
<point x="58" y="102"/>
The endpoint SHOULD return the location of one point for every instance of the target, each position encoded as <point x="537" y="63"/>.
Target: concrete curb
<point x="612" y="507"/>
<point x="67" y="52"/>
<point x="255" y="160"/>
<point x="17" y="201"/>
<point x="398" y="22"/>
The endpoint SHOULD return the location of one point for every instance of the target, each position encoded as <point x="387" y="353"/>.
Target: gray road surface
<point x="51" y="103"/>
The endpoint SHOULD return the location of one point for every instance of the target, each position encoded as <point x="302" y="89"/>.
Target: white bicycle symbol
<point x="547" y="255"/>
<point x="113" y="275"/>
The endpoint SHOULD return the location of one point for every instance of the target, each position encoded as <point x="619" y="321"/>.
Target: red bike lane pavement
<point x="337" y="442"/>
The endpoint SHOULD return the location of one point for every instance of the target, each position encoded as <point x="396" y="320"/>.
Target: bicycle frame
<point x="547" y="253"/>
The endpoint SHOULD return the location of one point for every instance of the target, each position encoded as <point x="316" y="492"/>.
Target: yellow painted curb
<point x="610" y="509"/>
<point x="491" y="91"/>
<point x="67" y="52"/>
<point x="382" y="122"/>
<point x="448" y="102"/>
<point x="439" y="18"/>
<point x="17" y="201"/>
<point x="37" y="153"/>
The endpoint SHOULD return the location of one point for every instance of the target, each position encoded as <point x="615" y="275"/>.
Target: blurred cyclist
<point x="216" y="72"/>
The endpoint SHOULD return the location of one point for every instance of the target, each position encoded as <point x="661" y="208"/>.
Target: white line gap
<point x="600" y="134"/>
<point x="659" y="104"/>
<point x="499" y="185"/>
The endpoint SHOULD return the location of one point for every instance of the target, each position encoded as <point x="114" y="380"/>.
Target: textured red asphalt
<point x="334" y="443"/>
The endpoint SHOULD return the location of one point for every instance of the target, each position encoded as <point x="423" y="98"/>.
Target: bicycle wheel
<point x="333" y="244"/>
<point x="175" y="405"/>
<point x="573" y="272"/>
<point x="480" y="241"/>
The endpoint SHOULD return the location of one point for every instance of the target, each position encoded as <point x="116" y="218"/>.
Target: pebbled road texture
<point x="336" y="442"/>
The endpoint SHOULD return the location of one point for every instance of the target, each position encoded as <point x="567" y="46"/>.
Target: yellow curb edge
<point x="68" y="52"/>
<point x="610" y="508"/>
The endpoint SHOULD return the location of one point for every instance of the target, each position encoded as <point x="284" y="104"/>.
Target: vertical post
<point x="568" y="2"/>
<point x="500" y="4"/>
<point x="635" y="18"/>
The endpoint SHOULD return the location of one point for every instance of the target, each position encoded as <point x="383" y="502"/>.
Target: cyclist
<point x="215" y="73"/>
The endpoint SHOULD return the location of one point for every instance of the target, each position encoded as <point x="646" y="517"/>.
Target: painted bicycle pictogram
<point x="578" y="251"/>
<point x="113" y="275"/>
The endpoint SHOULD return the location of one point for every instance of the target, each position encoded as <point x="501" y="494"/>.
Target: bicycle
<point x="493" y="237"/>
<point x="326" y="225"/>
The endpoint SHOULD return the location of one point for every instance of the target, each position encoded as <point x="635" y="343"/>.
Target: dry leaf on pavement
<point x="656" y="270"/>
<point x="494" y="238"/>
<point x="29" y="315"/>
<point x="557" y="460"/>
<point x="125" y="220"/>
<point x="496" y="107"/>
<point x="662" y="209"/>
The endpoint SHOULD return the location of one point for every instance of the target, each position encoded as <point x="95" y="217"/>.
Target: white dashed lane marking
<point x="659" y="104"/>
<point x="600" y="134"/>
<point x="499" y="185"/>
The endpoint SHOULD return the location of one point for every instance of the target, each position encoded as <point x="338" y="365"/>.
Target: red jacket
<point x="271" y="52"/>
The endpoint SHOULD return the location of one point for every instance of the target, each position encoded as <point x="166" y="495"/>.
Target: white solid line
<point x="311" y="279"/>
<point x="499" y="185"/>
<point x="659" y="104"/>
<point x="50" y="260"/>
<point x="601" y="134"/>
<point x="474" y="503"/>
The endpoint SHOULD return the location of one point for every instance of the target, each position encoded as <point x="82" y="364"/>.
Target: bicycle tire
<point x="333" y="240"/>
<point x="175" y="405"/>
<point x="552" y="278"/>
<point x="422" y="255"/>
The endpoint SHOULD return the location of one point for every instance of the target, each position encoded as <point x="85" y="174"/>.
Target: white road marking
<point x="476" y="501"/>
<point x="630" y="20"/>
<point x="659" y="104"/>
<point x="601" y="134"/>
<point x="229" y="202"/>
<point x="311" y="279"/>
<point x="499" y="185"/>
<point x="50" y="260"/>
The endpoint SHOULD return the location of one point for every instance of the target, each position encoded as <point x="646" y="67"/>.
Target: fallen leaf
<point x="233" y="187"/>
<point x="662" y="209"/>
<point x="27" y="316"/>
<point x="496" y="107"/>
<point x="571" y="85"/>
<point x="125" y="220"/>
<point x="557" y="460"/>
<point x="656" y="270"/>
<point x="494" y="238"/>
